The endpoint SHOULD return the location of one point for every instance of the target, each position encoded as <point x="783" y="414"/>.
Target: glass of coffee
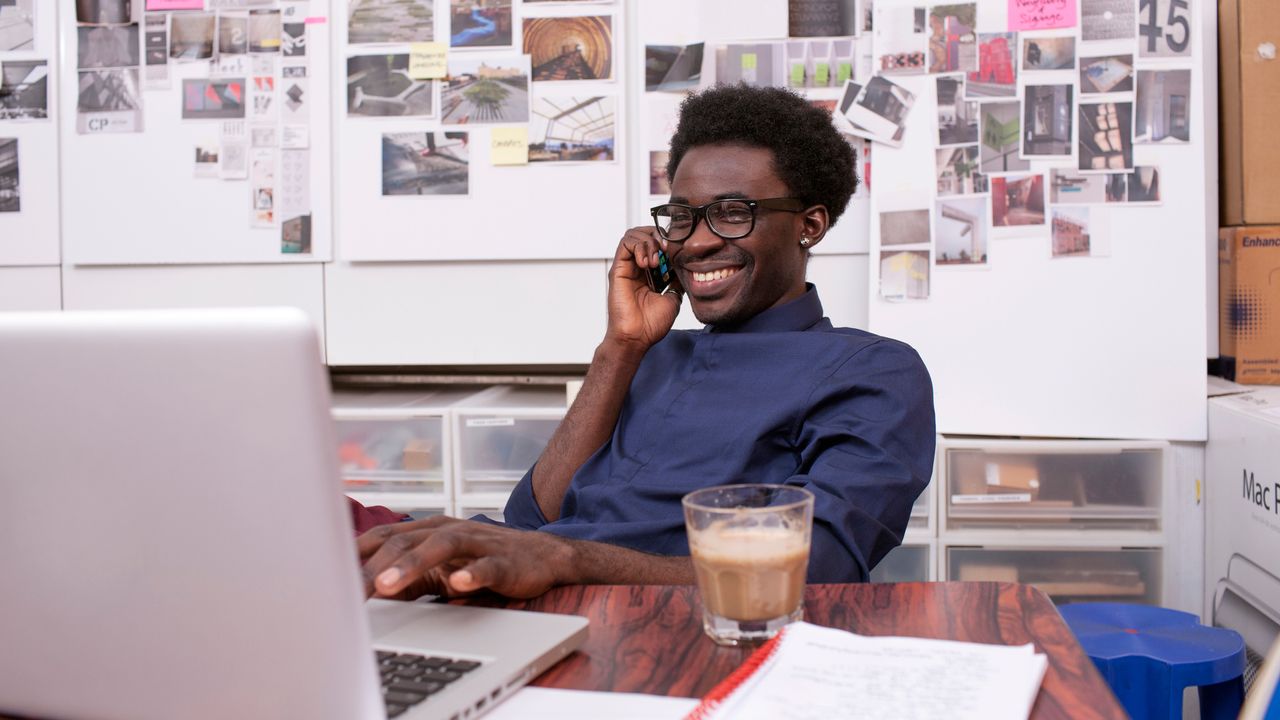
<point x="750" y="548"/>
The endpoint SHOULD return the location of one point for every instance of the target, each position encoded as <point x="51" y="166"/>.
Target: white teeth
<point x="714" y="275"/>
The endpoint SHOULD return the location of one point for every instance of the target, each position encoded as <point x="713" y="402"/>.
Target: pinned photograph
<point x="904" y="227"/>
<point x="483" y="90"/>
<point x="572" y="129"/>
<point x="109" y="101"/>
<point x="390" y="21"/>
<point x="822" y="18"/>
<point x="958" y="171"/>
<point x="293" y="39"/>
<point x="480" y="23"/>
<point x="819" y="63"/>
<point x="1070" y="187"/>
<point x="570" y="48"/>
<point x="762" y="64"/>
<point x="213" y="99"/>
<point x="1071" y="231"/>
<point x="997" y="74"/>
<point x="191" y="35"/>
<point x="881" y="111"/>
<point x="1163" y="107"/>
<point x="672" y="68"/>
<point x="900" y="38"/>
<point x="1106" y="136"/>
<point x="1106" y="74"/>
<point x="1144" y="185"/>
<point x="1106" y="20"/>
<point x="658" y="183"/>
<point x="960" y="231"/>
<point x="380" y="86"/>
<point x="101" y="12"/>
<point x="1164" y="28"/>
<point x="206" y="160"/>
<point x="155" y="50"/>
<point x="107" y="46"/>
<point x="295" y="105"/>
<point x="957" y="118"/>
<point x="233" y="33"/>
<point x="1017" y="200"/>
<point x="432" y="163"/>
<point x="10" y="192"/>
<point x="1046" y="121"/>
<point x="17" y="25"/>
<point x="295" y="235"/>
<point x="264" y="31"/>
<point x="1048" y="53"/>
<point x="262" y="98"/>
<point x="1001" y="145"/>
<point x="953" y="44"/>
<point x="263" y="136"/>
<point x="904" y="275"/>
<point x="24" y="90"/>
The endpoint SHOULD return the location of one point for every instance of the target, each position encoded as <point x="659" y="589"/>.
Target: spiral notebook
<point x="810" y="672"/>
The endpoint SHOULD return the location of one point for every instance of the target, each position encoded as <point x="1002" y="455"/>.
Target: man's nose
<point x="703" y="241"/>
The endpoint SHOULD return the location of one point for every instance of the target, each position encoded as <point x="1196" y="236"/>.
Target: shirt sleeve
<point x="522" y="509"/>
<point x="867" y="448"/>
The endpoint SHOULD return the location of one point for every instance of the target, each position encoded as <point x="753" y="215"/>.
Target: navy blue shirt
<point x="782" y="398"/>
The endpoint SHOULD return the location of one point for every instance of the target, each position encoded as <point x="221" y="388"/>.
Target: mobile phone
<point x="660" y="277"/>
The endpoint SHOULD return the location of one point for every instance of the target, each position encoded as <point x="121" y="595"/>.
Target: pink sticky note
<point x="1042" y="14"/>
<point x="175" y="4"/>
<point x="316" y="20"/>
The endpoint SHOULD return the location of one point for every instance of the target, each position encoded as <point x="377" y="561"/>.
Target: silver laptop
<point x="174" y="541"/>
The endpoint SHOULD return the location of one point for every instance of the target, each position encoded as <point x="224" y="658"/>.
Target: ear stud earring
<point x="804" y="242"/>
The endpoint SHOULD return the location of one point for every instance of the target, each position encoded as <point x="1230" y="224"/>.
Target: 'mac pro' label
<point x="1260" y="494"/>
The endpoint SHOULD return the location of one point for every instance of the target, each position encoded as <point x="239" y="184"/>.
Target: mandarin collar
<point x="799" y="314"/>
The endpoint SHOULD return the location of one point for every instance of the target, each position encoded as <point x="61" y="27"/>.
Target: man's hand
<point x="447" y="556"/>
<point x="638" y="317"/>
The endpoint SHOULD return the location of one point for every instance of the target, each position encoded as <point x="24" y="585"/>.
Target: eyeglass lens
<point x="730" y="219"/>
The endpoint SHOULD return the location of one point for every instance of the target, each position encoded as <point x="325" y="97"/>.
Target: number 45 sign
<point x="1164" y="28"/>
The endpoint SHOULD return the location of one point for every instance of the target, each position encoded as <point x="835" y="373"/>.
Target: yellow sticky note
<point x="509" y="145"/>
<point x="427" y="60"/>
<point x="748" y="61"/>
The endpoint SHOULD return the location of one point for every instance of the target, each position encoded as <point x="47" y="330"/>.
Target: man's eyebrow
<point x="735" y="195"/>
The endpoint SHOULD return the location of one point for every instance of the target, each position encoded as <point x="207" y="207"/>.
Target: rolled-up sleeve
<point x="522" y="509"/>
<point x="867" y="449"/>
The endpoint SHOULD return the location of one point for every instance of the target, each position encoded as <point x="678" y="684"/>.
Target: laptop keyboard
<point x="408" y="679"/>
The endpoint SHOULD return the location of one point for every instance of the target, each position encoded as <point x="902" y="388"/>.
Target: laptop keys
<point x="409" y="679"/>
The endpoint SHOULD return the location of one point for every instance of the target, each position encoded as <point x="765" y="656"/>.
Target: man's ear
<point x="814" y="222"/>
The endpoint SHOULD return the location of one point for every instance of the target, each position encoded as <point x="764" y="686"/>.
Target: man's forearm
<point x="586" y="426"/>
<point x="594" y="563"/>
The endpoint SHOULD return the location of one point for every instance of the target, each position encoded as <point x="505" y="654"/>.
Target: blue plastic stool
<point x="1149" y="655"/>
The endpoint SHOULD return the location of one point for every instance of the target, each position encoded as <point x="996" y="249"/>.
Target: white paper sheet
<point x="533" y="703"/>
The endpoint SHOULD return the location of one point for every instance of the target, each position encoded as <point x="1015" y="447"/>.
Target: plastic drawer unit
<point x="905" y="563"/>
<point x="498" y="435"/>
<point x="393" y="446"/>
<point x="1053" y="485"/>
<point x="1066" y="574"/>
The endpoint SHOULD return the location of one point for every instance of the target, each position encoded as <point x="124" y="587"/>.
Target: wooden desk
<point x="649" y="638"/>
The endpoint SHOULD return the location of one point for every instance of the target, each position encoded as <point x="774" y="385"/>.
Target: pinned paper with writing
<point x="427" y="60"/>
<point x="1042" y="14"/>
<point x="509" y="145"/>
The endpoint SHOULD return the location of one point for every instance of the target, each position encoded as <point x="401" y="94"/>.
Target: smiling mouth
<point x="714" y="275"/>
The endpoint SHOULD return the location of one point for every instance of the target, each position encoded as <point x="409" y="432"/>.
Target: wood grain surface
<point x="649" y="639"/>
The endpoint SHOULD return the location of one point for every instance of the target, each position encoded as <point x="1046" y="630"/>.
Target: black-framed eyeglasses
<point x="729" y="219"/>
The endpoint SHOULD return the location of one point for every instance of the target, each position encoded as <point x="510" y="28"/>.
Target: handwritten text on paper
<point x="1042" y="14"/>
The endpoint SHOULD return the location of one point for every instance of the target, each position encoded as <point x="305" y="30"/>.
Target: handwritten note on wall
<point x="1042" y="14"/>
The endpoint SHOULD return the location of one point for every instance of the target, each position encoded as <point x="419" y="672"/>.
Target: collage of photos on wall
<point x="1036" y="124"/>
<point x="499" y="55"/>
<point x="825" y="44"/>
<point x="24" y="91"/>
<point x="246" y="79"/>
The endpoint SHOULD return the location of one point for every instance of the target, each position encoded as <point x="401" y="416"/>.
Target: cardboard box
<point x="1249" y="93"/>
<point x="1249" y="303"/>
<point x="1242" y="516"/>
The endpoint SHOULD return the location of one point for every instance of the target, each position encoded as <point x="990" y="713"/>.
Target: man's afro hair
<point x="810" y="155"/>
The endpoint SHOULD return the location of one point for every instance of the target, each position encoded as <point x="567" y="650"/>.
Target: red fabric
<point x="365" y="518"/>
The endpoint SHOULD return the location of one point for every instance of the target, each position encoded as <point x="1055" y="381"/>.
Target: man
<point x="769" y="391"/>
